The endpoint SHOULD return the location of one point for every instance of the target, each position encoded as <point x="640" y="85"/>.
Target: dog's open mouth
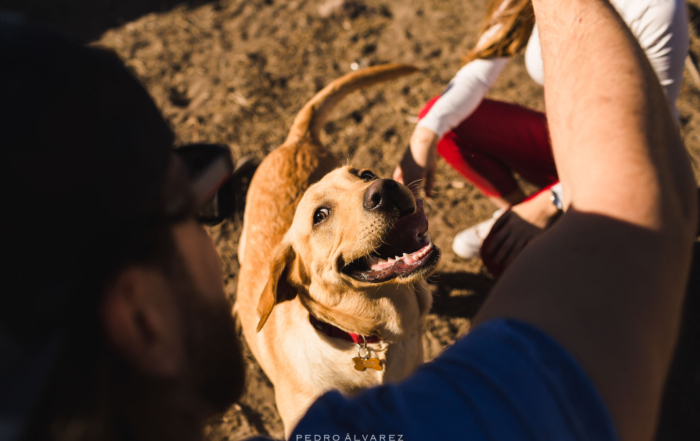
<point x="407" y="250"/>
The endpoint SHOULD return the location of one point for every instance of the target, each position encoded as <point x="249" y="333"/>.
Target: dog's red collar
<point x="336" y="332"/>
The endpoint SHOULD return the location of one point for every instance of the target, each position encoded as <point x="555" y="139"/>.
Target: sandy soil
<point x="236" y="72"/>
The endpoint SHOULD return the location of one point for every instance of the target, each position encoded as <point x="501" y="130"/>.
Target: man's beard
<point x="97" y="394"/>
<point x="213" y="353"/>
<point x="213" y="378"/>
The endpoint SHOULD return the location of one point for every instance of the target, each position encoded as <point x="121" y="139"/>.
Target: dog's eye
<point x="367" y="175"/>
<point x="320" y="215"/>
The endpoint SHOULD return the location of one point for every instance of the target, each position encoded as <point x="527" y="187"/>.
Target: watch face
<point x="556" y="201"/>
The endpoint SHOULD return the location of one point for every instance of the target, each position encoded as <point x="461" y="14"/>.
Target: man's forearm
<point x="617" y="149"/>
<point x="607" y="280"/>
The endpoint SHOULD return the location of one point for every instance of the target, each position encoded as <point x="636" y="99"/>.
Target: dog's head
<point x="355" y="241"/>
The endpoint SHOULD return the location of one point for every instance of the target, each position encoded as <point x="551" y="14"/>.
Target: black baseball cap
<point x="89" y="160"/>
<point x="86" y="153"/>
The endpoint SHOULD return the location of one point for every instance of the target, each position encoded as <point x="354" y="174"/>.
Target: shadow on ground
<point x="87" y="20"/>
<point x="459" y="294"/>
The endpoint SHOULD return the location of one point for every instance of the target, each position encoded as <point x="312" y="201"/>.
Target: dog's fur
<point x="290" y="268"/>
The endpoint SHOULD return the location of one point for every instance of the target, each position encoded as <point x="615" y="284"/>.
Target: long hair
<point x="505" y="31"/>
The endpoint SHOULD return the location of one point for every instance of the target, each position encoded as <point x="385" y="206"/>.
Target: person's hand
<point x="539" y="210"/>
<point x="419" y="162"/>
<point x="515" y="229"/>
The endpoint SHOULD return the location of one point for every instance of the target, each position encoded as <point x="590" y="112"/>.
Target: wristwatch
<point x="556" y="200"/>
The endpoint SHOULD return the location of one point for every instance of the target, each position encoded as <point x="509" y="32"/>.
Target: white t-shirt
<point x="660" y="26"/>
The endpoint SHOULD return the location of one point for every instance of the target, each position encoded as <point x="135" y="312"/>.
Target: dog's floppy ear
<point x="285" y="272"/>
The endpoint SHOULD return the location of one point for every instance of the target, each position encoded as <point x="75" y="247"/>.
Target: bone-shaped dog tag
<point x="371" y="363"/>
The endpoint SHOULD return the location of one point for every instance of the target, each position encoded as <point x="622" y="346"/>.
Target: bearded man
<point x="113" y="319"/>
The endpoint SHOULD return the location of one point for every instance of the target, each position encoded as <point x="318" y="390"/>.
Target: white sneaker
<point x="467" y="243"/>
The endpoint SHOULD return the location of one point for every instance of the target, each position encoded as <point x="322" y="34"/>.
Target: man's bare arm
<point x="607" y="280"/>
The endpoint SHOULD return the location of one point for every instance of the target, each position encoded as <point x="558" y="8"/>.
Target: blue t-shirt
<point x="506" y="380"/>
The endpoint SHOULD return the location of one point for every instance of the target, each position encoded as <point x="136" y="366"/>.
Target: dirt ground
<point x="236" y="72"/>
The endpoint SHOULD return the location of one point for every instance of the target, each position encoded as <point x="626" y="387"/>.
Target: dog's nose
<point x="387" y="194"/>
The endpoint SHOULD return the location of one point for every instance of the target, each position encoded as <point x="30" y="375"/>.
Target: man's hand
<point x="419" y="162"/>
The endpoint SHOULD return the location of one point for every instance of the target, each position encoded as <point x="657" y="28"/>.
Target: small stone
<point x="330" y="7"/>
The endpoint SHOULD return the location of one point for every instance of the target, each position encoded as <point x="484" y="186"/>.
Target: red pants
<point x="497" y="140"/>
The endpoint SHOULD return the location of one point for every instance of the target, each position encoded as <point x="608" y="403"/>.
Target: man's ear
<point x="141" y="320"/>
<point x="287" y="274"/>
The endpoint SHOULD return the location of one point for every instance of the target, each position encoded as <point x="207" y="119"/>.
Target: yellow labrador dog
<point x="331" y="290"/>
